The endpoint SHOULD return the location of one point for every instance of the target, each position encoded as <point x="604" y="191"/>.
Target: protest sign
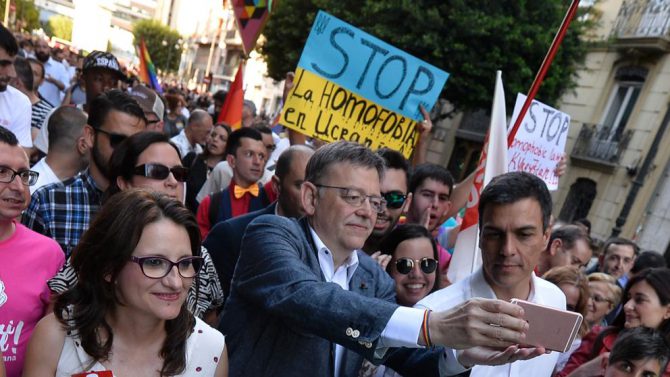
<point x="539" y="142"/>
<point x="350" y="85"/>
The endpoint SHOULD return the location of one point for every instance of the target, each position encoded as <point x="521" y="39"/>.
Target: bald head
<point x="289" y="175"/>
<point x="199" y="126"/>
<point x="65" y="127"/>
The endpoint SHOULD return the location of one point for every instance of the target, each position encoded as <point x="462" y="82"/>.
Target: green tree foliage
<point x="27" y="15"/>
<point x="470" y="39"/>
<point x="163" y="43"/>
<point x="59" y="27"/>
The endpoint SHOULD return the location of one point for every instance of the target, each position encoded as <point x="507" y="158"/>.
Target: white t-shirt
<point x="15" y="113"/>
<point x="46" y="177"/>
<point x="49" y="91"/>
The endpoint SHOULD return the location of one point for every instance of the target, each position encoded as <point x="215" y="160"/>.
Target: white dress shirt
<point x="541" y="292"/>
<point x="185" y="146"/>
<point x="403" y="328"/>
<point x="50" y="91"/>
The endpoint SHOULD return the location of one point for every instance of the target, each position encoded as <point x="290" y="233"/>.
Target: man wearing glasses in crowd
<point x="63" y="211"/>
<point x="27" y="259"/>
<point x="306" y="301"/>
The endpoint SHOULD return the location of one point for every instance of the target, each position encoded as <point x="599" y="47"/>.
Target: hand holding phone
<point x="549" y="327"/>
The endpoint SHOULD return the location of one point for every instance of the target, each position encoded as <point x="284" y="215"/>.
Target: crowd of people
<point x="293" y="258"/>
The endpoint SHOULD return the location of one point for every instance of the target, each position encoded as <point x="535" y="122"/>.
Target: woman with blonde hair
<point x="605" y="296"/>
<point x="574" y="284"/>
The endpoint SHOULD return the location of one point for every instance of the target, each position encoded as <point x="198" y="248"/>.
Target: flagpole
<point x="558" y="39"/>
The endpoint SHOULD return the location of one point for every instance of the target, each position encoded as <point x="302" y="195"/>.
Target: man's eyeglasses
<point x="356" y="197"/>
<point x="114" y="139"/>
<point x="160" y="172"/>
<point x="405" y="265"/>
<point x="27" y="177"/>
<point x="394" y="199"/>
<point x="159" y="267"/>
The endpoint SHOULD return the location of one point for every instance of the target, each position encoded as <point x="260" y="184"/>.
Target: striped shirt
<point x="41" y="109"/>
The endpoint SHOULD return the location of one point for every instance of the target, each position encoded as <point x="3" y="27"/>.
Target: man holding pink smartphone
<point x="514" y="213"/>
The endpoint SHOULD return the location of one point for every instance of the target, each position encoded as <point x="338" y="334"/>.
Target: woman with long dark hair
<point x="413" y="255"/>
<point x="148" y="160"/>
<point x="200" y="165"/>
<point x="127" y="313"/>
<point x="646" y="303"/>
<point x="413" y="265"/>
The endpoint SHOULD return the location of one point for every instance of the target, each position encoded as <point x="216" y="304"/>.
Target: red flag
<point x="231" y="111"/>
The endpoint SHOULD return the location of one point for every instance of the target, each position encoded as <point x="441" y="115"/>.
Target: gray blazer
<point x="282" y="318"/>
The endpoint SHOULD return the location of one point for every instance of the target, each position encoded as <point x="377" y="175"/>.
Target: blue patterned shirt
<point x="64" y="210"/>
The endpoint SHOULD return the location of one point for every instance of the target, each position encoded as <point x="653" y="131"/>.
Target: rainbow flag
<point x="147" y="68"/>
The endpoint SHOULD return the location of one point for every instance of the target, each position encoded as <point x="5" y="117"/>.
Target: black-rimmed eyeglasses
<point x="27" y="177"/>
<point x="159" y="267"/>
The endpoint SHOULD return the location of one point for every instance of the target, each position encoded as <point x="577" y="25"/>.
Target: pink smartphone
<point x="549" y="327"/>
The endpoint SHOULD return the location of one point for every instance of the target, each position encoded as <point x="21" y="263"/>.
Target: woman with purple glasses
<point x="127" y="314"/>
<point x="148" y="160"/>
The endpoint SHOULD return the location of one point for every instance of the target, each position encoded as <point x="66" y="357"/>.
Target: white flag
<point x="493" y="161"/>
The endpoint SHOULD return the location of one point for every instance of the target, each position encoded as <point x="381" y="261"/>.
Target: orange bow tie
<point x="240" y="191"/>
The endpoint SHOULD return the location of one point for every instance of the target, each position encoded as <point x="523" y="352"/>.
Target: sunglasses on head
<point x="394" y="199"/>
<point x="114" y="139"/>
<point x="405" y="265"/>
<point x="158" y="171"/>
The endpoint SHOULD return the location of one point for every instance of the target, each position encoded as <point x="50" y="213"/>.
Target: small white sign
<point x="540" y="141"/>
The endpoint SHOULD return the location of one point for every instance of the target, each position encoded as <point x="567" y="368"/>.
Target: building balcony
<point x="643" y="24"/>
<point x="598" y="149"/>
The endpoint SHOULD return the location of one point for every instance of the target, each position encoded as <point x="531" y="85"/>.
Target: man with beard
<point x="15" y="108"/>
<point x="63" y="211"/>
<point x="25" y="83"/>
<point x="393" y="187"/>
<point x="56" y="76"/>
<point x="101" y="72"/>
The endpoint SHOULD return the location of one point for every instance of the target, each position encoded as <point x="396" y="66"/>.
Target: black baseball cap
<point x="101" y="59"/>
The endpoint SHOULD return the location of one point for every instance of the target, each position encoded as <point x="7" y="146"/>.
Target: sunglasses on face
<point x="405" y="265"/>
<point x="160" y="172"/>
<point x="394" y="199"/>
<point x="114" y="139"/>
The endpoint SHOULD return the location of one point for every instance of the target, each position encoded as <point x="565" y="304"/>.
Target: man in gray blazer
<point x="304" y="296"/>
